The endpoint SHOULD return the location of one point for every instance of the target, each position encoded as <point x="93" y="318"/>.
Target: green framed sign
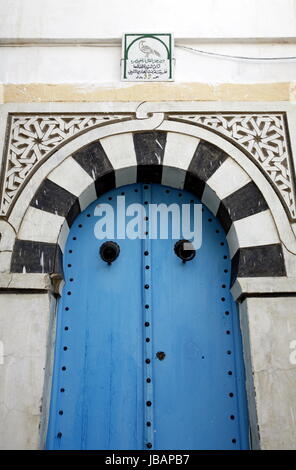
<point x="147" y="57"/>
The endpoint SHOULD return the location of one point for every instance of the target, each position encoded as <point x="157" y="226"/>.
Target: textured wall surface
<point x="25" y="321"/>
<point x="271" y="325"/>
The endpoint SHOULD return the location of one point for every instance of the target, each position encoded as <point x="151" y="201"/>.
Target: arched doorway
<point x="148" y="351"/>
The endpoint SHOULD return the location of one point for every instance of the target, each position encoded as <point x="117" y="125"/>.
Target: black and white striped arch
<point x="167" y="158"/>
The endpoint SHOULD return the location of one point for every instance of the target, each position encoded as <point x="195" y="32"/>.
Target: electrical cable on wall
<point x="236" y="57"/>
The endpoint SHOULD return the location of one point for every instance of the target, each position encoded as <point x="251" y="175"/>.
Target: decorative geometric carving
<point x="264" y="137"/>
<point x="33" y="137"/>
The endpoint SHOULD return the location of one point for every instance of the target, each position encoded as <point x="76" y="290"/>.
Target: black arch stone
<point x="50" y="197"/>
<point x="74" y="211"/>
<point x="205" y="162"/>
<point x="244" y="202"/>
<point x="149" y="148"/>
<point x="258" y="261"/>
<point x="94" y="161"/>
<point x="28" y="255"/>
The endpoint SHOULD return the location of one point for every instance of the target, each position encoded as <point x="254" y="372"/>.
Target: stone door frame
<point x="237" y="157"/>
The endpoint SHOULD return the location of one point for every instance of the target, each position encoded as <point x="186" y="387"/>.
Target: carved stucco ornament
<point x="265" y="138"/>
<point x="32" y="138"/>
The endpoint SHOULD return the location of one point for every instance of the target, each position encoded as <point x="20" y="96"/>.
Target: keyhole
<point x="160" y="355"/>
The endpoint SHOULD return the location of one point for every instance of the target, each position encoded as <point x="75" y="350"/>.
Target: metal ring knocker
<point x="184" y="254"/>
<point x="109" y="251"/>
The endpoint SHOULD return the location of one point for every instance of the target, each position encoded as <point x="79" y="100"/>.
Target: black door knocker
<point x="185" y="254"/>
<point x="109" y="251"/>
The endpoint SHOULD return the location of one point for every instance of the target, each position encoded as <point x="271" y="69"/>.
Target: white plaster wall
<point x="24" y="330"/>
<point x="99" y="65"/>
<point x="269" y="326"/>
<point x="228" y="27"/>
<point x="108" y="19"/>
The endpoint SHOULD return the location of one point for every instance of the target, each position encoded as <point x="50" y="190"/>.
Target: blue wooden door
<point x="148" y="350"/>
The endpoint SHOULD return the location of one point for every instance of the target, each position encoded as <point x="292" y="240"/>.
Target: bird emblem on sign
<point x="147" y="50"/>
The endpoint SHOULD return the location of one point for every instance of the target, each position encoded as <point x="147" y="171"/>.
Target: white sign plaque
<point x="147" y="57"/>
